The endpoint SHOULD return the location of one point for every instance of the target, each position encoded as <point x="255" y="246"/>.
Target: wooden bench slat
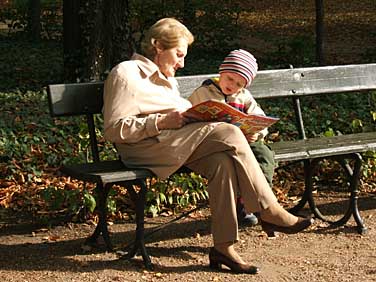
<point x="310" y="81"/>
<point x="267" y="84"/>
<point x="324" y="146"/>
<point x="112" y="171"/>
<point x="67" y="99"/>
<point x="105" y="172"/>
<point x="299" y="81"/>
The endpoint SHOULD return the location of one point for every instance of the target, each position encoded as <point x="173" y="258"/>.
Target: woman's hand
<point x="172" y="120"/>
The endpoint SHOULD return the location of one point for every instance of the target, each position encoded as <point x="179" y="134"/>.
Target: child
<point x="236" y="73"/>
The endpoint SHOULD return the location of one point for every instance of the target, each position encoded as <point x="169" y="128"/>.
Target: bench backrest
<point x="86" y="98"/>
<point x="300" y="81"/>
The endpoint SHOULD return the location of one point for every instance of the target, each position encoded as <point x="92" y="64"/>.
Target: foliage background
<point x="33" y="145"/>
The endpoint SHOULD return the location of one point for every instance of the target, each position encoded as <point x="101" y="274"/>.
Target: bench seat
<point x="113" y="171"/>
<point x="324" y="146"/>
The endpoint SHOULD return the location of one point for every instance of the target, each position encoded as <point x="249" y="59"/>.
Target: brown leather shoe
<point x="217" y="259"/>
<point x="270" y="228"/>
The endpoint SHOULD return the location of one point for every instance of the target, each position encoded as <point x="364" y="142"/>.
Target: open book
<point x="213" y="110"/>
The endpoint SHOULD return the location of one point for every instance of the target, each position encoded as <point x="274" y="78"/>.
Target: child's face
<point x="231" y="83"/>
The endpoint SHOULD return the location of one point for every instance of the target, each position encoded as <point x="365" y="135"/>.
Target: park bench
<point x="293" y="84"/>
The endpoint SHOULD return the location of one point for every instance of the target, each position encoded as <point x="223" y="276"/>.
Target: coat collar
<point x="151" y="70"/>
<point x="147" y="66"/>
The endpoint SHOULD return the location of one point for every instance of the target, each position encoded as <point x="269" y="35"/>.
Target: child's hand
<point x="252" y="137"/>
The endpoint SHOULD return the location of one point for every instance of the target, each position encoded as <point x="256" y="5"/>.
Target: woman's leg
<point x="243" y="174"/>
<point x="222" y="200"/>
<point x="222" y="191"/>
<point x="215" y="159"/>
<point x="226" y="160"/>
<point x="229" y="140"/>
<point x="253" y="187"/>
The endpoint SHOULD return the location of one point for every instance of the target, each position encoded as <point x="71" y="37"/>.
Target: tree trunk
<point x="72" y="39"/>
<point x="118" y="42"/>
<point x="320" y="34"/>
<point x="33" y="18"/>
<point x="101" y="31"/>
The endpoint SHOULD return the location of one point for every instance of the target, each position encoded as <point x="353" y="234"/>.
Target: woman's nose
<point x="181" y="63"/>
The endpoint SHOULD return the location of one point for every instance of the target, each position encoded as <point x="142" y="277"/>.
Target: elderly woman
<point x="145" y="117"/>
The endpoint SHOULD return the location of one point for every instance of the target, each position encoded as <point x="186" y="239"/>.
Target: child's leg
<point x="265" y="157"/>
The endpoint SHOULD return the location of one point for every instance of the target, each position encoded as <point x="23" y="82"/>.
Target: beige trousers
<point x="227" y="161"/>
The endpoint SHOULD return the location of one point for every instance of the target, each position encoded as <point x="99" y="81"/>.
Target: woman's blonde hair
<point x="167" y="32"/>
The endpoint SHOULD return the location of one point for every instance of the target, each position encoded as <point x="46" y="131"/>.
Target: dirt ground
<point x="180" y="252"/>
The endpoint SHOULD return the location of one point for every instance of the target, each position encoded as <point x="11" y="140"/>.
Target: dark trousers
<point x="265" y="157"/>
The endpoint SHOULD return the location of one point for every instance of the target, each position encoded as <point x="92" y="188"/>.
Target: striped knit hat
<point x="242" y="63"/>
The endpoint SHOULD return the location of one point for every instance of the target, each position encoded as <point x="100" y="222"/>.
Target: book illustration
<point x="212" y="110"/>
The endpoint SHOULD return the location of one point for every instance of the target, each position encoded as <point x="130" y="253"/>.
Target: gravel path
<point x="179" y="252"/>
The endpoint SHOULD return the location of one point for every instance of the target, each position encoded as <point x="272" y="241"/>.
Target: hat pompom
<point x="240" y="62"/>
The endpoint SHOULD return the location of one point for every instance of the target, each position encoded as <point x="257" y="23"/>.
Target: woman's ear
<point x="158" y="46"/>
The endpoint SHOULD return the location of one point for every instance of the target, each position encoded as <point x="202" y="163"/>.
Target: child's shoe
<point x="248" y="220"/>
<point x="244" y="219"/>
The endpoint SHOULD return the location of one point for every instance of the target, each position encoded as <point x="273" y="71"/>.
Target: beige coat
<point x="135" y="93"/>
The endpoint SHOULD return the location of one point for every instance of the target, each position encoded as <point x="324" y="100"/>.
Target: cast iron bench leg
<point x="315" y="210"/>
<point x="139" y="244"/>
<point x="101" y="228"/>
<point x="353" y="176"/>
<point x="306" y="194"/>
<point x="354" y="184"/>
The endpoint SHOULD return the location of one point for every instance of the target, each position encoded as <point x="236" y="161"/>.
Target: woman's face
<point x="170" y="60"/>
<point x="231" y="83"/>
